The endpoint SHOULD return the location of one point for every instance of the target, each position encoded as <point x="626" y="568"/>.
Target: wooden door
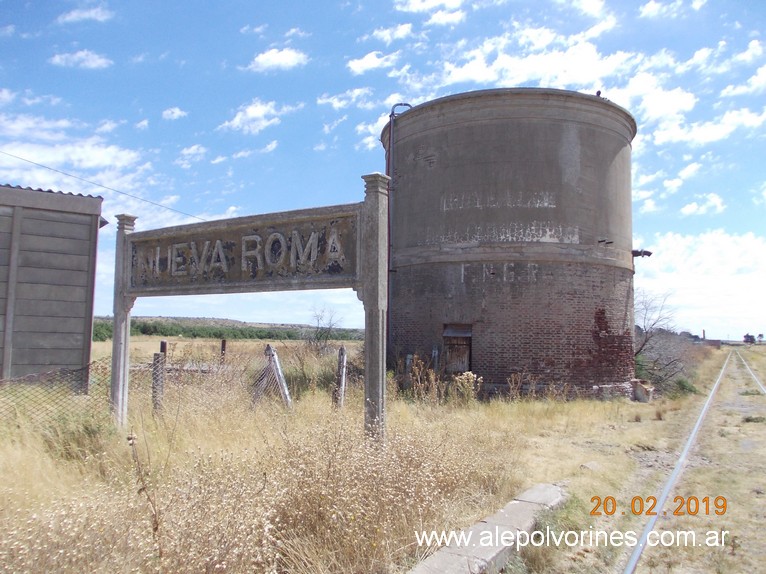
<point x="457" y="352"/>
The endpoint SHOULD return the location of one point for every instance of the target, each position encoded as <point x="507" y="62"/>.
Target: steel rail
<point x="752" y="374"/>
<point x="639" y="549"/>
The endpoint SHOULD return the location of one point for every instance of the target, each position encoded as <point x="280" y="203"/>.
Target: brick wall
<point x="565" y="323"/>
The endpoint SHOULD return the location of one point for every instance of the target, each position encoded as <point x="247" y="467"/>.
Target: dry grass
<point x="215" y="483"/>
<point x="219" y="484"/>
<point x="729" y="462"/>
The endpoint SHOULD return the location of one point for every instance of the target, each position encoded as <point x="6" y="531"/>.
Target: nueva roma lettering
<point x="244" y="255"/>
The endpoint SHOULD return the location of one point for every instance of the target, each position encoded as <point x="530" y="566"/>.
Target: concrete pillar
<point x="373" y="291"/>
<point x="123" y="303"/>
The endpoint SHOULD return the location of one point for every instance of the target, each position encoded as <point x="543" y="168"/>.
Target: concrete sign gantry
<point x="323" y="248"/>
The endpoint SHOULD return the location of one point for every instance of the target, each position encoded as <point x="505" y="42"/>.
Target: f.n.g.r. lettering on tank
<point x="247" y="254"/>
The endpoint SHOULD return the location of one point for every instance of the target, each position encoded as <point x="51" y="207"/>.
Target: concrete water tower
<point x="511" y="235"/>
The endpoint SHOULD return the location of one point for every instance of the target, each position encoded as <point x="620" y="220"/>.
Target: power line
<point x="101" y="185"/>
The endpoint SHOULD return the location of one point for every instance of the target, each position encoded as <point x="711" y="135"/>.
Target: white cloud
<point x="709" y="203"/>
<point x="654" y="9"/>
<point x="99" y="14"/>
<point x="709" y="61"/>
<point x="641" y="194"/>
<point x="242" y="154"/>
<point x="388" y="35"/>
<point x="648" y="206"/>
<point x="274" y="59"/>
<point x="591" y="7"/>
<point x="760" y="197"/>
<point x="371" y="132"/>
<point x="190" y="155"/>
<point x="756" y="84"/>
<point x="30" y="99"/>
<point x="648" y="178"/>
<point x="219" y="159"/>
<point x="579" y="65"/>
<point x="535" y="39"/>
<point x="89" y="153"/>
<point x="296" y="33"/>
<point x="594" y="8"/>
<point x="355" y="97"/>
<point x="603" y="25"/>
<point x="7" y="31"/>
<point x="248" y="29"/>
<point x="426" y="5"/>
<point x="661" y="104"/>
<point x="422" y="84"/>
<point x="708" y="277"/>
<point x="142" y="125"/>
<point x="372" y="61"/>
<point x="196" y="150"/>
<point x="753" y="52"/>
<point x="329" y="128"/>
<point x="28" y="127"/>
<point x="444" y="18"/>
<point x="170" y="200"/>
<point x="701" y="133"/>
<point x="6" y="96"/>
<point x="269" y="147"/>
<point x="82" y="59"/>
<point x="673" y="185"/>
<point x="690" y="170"/>
<point x="107" y="126"/>
<point x="173" y="113"/>
<point x="256" y="116"/>
<point x="658" y="104"/>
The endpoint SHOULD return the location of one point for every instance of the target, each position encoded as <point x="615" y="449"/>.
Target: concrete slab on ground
<point x="488" y="545"/>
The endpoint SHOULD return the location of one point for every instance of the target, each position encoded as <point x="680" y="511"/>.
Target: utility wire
<point x="101" y="185"/>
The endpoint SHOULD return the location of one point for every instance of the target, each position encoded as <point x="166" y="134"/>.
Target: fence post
<point x="339" y="390"/>
<point x="271" y="354"/>
<point x="435" y="358"/>
<point x="223" y="350"/>
<point x="164" y="347"/>
<point x="158" y="381"/>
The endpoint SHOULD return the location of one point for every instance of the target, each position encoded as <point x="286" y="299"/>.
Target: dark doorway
<point x="457" y="348"/>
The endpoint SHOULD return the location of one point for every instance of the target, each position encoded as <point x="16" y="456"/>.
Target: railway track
<point x="723" y="500"/>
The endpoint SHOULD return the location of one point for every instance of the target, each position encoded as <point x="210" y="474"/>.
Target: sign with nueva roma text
<point x="323" y="248"/>
<point x="309" y="249"/>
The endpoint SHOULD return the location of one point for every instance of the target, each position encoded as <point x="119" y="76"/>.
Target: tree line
<point x="103" y="330"/>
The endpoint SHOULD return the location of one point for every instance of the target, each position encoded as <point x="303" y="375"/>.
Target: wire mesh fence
<point x="44" y="395"/>
<point x="195" y="381"/>
<point x="193" y="384"/>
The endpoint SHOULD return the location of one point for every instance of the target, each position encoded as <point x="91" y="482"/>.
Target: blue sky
<point x="231" y="108"/>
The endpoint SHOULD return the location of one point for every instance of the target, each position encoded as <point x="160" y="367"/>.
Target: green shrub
<point x="753" y="419"/>
<point x="685" y="387"/>
<point x="102" y="330"/>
